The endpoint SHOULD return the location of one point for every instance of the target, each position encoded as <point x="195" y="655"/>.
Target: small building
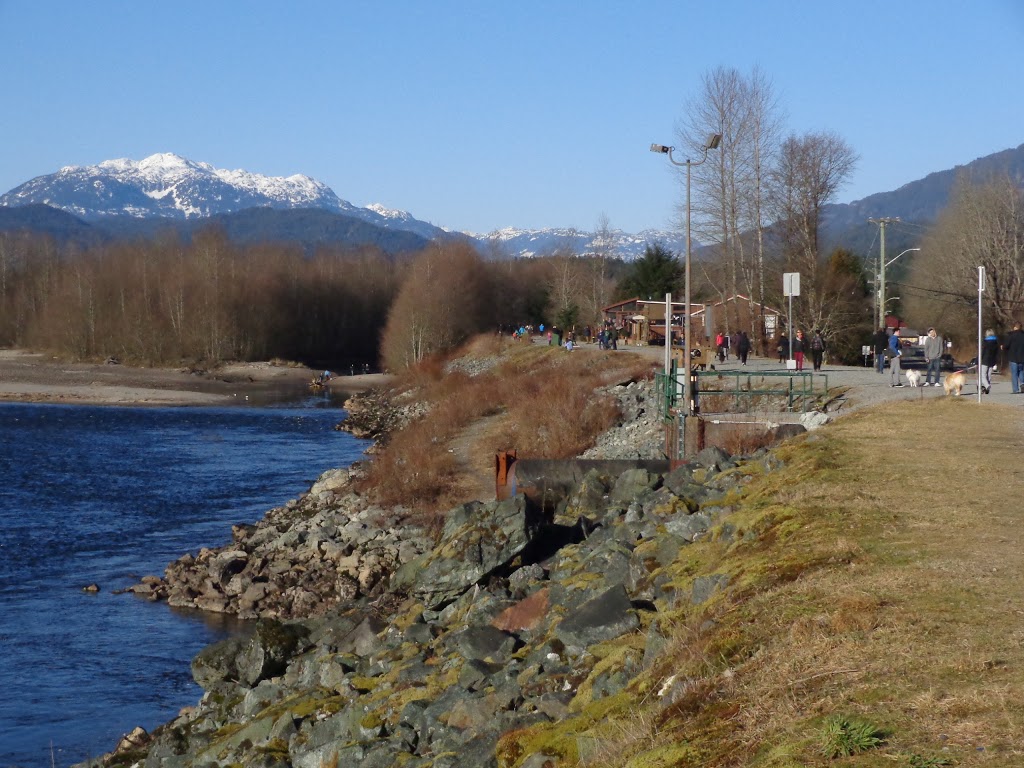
<point x="642" y="321"/>
<point x="739" y="313"/>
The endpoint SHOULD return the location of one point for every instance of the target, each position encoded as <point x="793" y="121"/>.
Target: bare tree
<point x="565" y="282"/>
<point x="729" y="202"/>
<point x="982" y="226"/>
<point x="599" y="285"/>
<point x="444" y="298"/>
<point x="764" y="121"/>
<point x="810" y="171"/>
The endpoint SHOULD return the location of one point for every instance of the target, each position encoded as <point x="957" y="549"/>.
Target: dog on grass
<point x="954" y="383"/>
<point x="913" y="378"/>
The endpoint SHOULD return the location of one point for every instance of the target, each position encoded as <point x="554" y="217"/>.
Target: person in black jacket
<point x="1015" y="351"/>
<point x="743" y="347"/>
<point x="881" y="343"/>
<point x="817" y="349"/>
<point x="989" y="359"/>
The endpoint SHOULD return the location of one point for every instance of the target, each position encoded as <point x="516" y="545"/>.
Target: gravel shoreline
<point x="29" y="377"/>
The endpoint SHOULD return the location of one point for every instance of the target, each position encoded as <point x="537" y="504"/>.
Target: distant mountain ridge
<point x="118" y="197"/>
<point x="165" y="188"/>
<point x="915" y="203"/>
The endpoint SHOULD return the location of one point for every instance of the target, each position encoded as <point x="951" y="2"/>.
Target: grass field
<point x="874" y="614"/>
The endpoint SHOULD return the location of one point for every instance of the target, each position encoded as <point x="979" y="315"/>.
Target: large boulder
<point x="267" y="651"/>
<point x="477" y="540"/>
<point x="216" y="664"/>
<point x="633" y="484"/>
<point x="606" y="617"/>
<point x="486" y="643"/>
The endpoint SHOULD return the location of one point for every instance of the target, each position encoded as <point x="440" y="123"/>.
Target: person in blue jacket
<point x="894" y="358"/>
<point x="989" y="360"/>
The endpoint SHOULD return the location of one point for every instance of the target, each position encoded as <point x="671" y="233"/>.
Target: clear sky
<point x="480" y="115"/>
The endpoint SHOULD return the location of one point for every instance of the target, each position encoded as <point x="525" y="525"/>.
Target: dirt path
<point x="476" y="467"/>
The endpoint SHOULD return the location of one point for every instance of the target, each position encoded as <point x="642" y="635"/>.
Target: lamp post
<point x="881" y="286"/>
<point x="712" y="143"/>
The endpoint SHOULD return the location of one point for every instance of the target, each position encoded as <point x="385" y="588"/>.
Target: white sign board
<point x="769" y="325"/>
<point x="790" y="283"/>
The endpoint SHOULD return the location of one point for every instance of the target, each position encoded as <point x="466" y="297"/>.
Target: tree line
<point x="758" y="207"/>
<point x="170" y="302"/>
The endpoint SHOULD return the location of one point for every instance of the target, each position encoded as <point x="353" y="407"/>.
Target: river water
<point x="105" y="495"/>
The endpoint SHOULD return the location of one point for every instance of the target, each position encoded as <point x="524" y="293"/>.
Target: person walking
<point x="895" y="353"/>
<point x="817" y="350"/>
<point x="782" y="347"/>
<point x="881" y="344"/>
<point x="743" y="347"/>
<point x="1015" y="352"/>
<point x="798" y="350"/>
<point x="989" y="360"/>
<point x="933" y="357"/>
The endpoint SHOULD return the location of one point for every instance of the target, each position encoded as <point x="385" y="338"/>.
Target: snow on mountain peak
<point x="168" y="185"/>
<point x="388" y="213"/>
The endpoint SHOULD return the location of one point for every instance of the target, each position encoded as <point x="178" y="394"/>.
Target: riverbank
<point x="30" y="377"/>
<point x="656" y="619"/>
<point x="647" y="618"/>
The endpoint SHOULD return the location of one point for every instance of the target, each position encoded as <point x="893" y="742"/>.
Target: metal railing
<point x="798" y="390"/>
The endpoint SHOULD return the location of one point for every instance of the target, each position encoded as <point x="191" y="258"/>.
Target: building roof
<point x="740" y="297"/>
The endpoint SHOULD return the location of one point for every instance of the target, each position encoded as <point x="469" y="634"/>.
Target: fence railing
<point x="793" y="390"/>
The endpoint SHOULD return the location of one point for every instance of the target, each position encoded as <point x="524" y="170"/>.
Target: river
<point x="105" y="495"/>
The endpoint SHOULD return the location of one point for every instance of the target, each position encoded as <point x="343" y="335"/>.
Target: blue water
<point x="105" y="495"/>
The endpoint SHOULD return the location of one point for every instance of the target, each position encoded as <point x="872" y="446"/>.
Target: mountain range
<point x="118" y="198"/>
<point x="127" y="197"/>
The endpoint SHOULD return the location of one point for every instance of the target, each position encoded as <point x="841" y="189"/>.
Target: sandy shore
<point x="32" y="377"/>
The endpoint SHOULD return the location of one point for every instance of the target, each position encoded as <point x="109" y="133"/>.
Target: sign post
<point x="790" y="288"/>
<point x="981" y="290"/>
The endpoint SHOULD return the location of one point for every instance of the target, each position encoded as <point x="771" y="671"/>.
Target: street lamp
<point x="881" y="286"/>
<point x="712" y="143"/>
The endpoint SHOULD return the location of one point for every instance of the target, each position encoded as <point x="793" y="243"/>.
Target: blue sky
<point x="480" y="115"/>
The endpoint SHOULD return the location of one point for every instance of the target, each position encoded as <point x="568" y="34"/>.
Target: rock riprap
<point x="419" y="653"/>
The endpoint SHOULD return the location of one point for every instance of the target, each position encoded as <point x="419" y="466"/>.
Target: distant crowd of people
<point x="606" y="337"/>
<point x="737" y="345"/>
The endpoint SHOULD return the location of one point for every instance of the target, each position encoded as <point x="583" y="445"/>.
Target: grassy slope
<point x="536" y="399"/>
<point x="876" y="577"/>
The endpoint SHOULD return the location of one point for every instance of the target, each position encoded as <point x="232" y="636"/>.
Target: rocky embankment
<point x="301" y="560"/>
<point x="415" y="653"/>
<point x="376" y="413"/>
<point x="332" y="546"/>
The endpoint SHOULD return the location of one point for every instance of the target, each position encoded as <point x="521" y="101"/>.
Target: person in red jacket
<point x="798" y="350"/>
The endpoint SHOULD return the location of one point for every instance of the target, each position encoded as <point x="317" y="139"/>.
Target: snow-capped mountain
<point x="527" y="243"/>
<point x="169" y="186"/>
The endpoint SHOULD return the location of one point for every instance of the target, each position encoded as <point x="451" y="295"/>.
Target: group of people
<point x="608" y="337"/>
<point x="890" y="347"/>
<point x="1013" y="345"/>
<point x="739" y="342"/>
<point x="801" y="347"/>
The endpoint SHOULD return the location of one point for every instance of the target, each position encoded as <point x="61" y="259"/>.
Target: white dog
<point x="913" y="377"/>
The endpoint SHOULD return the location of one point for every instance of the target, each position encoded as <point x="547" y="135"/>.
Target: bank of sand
<point x="33" y="377"/>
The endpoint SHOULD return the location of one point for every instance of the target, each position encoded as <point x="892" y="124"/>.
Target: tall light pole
<point x="712" y="143"/>
<point x="881" y="286"/>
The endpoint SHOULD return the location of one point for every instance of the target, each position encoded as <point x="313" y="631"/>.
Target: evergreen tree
<point x="653" y="275"/>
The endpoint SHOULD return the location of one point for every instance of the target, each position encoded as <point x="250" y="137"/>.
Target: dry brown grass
<point x="883" y="584"/>
<point x="537" y="400"/>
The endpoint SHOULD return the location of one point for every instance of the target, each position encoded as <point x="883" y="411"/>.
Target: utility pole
<point x="881" y="222"/>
